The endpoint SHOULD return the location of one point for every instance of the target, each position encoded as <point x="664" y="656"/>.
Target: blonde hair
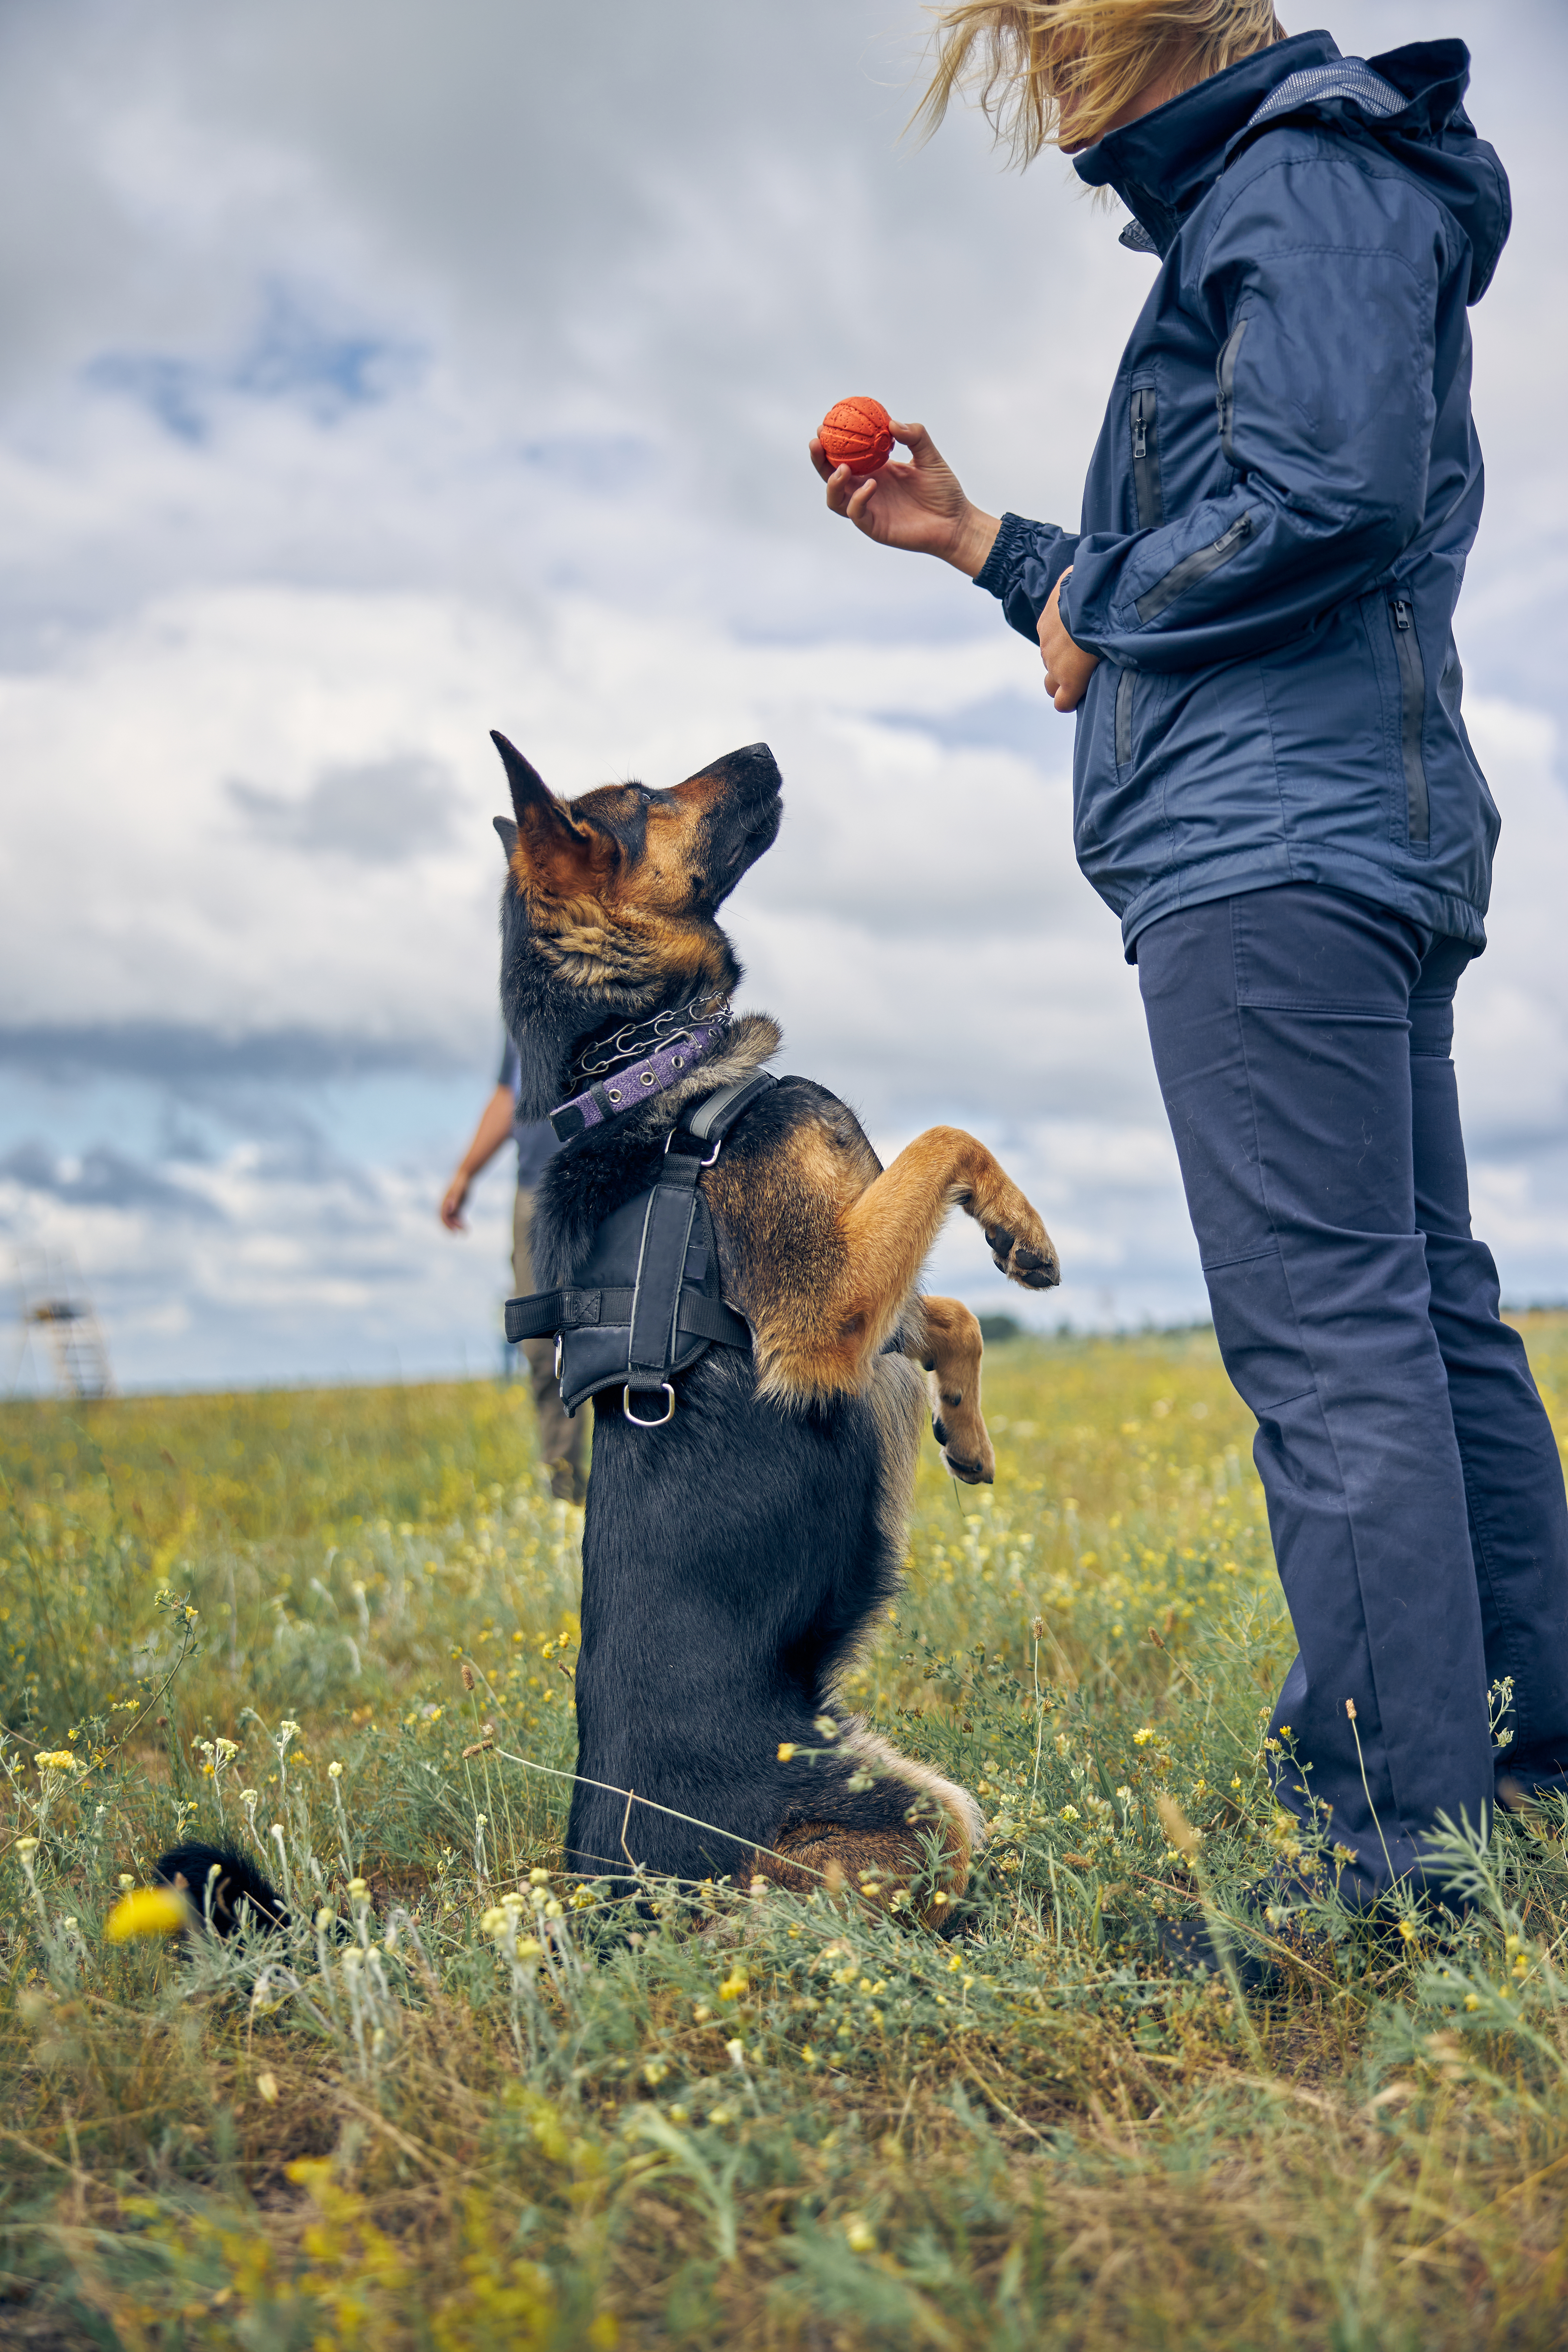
<point x="1023" y="57"/>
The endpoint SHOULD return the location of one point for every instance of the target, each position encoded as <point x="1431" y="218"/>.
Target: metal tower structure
<point x="54" y="1305"/>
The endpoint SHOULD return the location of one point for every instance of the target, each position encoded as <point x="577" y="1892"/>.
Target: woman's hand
<point x="920" y="506"/>
<point x="1068" y="668"/>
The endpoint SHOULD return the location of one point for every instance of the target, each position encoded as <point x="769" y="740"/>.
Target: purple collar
<point x="606" y="1097"/>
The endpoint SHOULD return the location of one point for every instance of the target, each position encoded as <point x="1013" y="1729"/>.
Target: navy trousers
<point x="1415" y="1496"/>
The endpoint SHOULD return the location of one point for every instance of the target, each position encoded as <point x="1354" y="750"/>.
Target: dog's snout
<point x="752" y="771"/>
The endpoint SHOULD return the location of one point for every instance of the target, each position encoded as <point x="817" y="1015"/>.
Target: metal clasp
<point x="712" y="1156"/>
<point x="636" y="1418"/>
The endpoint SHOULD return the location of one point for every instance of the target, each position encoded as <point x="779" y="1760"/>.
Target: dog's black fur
<point x="240" y="1895"/>
<point x="732" y="1561"/>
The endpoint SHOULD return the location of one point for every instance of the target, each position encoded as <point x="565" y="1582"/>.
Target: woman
<point x="1274" y="789"/>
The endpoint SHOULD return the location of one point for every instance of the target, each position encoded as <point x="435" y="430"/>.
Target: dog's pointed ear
<point x="559" y="855"/>
<point x="531" y="795"/>
<point x="508" y="832"/>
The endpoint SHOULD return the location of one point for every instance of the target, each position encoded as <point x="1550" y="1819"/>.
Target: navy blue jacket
<point x="1284" y="490"/>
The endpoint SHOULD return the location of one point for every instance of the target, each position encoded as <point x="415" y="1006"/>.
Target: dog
<point x="736" y="1556"/>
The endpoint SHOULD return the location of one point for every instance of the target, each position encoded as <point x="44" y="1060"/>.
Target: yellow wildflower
<point x="147" y="1911"/>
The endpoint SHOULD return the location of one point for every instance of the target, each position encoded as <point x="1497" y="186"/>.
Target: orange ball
<point x="857" y="433"/>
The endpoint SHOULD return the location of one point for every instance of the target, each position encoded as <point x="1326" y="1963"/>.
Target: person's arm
<point x="921" y="507"/>
<point x="1321" y="287"/>
<point x="494" y="1128"/>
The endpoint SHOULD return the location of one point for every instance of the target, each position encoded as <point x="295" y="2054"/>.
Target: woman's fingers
<point x="841" y="489"/>
<point x="851" y="495"/>
<point x="860" y="498"/>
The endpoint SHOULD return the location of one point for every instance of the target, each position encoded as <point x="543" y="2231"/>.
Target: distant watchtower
<point x="54" y="1303"/>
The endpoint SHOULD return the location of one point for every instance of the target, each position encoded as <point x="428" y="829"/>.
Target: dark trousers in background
<point x="1416" y="1495"/>
<point x="561" y="1439"/>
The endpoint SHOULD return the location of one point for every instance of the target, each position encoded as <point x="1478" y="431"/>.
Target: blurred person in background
<point x="560" y="1439"/>
<point x="1274" y="789"/>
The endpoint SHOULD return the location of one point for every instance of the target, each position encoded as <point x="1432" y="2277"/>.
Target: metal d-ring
<point x="636" y="1418"/>
<point x="712" y="1156"/>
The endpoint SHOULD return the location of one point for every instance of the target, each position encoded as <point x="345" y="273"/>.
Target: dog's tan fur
<point x="879" y="1866"/>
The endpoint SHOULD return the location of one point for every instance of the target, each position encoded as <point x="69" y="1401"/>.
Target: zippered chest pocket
<point x="1412" y="720"/>
<point x="1148" y="489"/>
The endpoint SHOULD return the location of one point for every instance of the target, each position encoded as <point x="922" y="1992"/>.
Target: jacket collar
<point x="1160" y="164"/>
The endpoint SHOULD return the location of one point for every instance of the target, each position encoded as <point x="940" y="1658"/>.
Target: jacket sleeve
<point x="1319" y="282"/>
<point x="1023" y="567"/>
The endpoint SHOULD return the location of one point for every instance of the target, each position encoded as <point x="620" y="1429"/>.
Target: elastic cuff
<point x="994" y="575"/>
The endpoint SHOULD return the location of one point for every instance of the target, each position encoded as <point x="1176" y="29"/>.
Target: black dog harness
<point x="645" y="1303"/>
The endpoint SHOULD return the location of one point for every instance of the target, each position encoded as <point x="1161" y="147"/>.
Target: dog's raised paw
<point x="1025" y="1253"/>
<point x="1033" y="1268"/>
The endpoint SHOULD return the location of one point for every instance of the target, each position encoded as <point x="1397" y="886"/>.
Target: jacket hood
<point x="1410" y="101"/>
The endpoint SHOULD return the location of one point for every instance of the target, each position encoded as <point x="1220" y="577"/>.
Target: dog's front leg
<point x="949" y="1350"/>
<point x="826" y="1339"/>
<point x="889" y="1231"/>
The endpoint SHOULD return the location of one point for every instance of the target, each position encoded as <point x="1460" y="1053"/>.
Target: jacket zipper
<point x="1225" y="379"/>
<point x="1147" y="486"/>
<point x="1194" y="567"/>
<point x="1412" y="720"/>
<point x="1124" y="719"/>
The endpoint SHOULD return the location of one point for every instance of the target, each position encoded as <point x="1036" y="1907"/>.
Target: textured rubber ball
<point x="857" y="433"/>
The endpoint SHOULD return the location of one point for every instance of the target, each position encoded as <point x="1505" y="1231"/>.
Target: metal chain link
<point x="636" y="1038"/>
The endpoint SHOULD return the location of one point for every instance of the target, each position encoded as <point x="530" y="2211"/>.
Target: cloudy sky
<point x="374" y="375"/>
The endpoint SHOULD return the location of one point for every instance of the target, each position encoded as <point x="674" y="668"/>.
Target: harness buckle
<point x="712" y="1156"/>
<point x="636" y="1418"/>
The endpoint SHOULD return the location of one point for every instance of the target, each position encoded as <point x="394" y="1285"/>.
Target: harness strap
<point x="667" y="1228"/>
<point x="549" y="1311"/>
<point x="711" y="1120"/>
<point x="666" y="1317"/>
<point x="662" y="1262"/>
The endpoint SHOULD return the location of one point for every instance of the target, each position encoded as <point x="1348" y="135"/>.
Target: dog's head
<point x="611" y="898"/>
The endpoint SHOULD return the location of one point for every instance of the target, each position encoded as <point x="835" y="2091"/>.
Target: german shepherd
<point x="735" y="1558"/>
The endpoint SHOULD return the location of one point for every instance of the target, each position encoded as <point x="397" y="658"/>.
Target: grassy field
<point x="438" y="2118"/>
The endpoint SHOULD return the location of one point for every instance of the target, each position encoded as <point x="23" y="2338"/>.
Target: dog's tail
<point x="222" y="1886"/>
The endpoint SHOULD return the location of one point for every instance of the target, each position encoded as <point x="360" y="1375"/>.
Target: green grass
<point x="781" y="2123"/>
